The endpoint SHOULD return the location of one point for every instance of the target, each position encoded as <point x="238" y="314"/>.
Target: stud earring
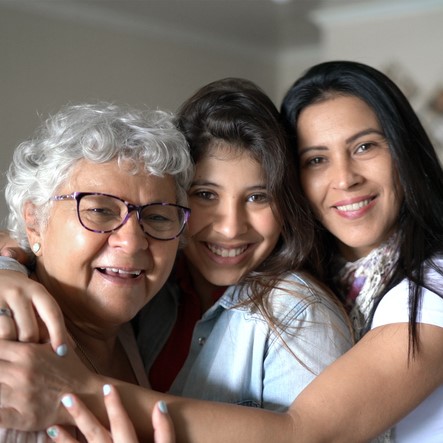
<point x="36" y="247"/>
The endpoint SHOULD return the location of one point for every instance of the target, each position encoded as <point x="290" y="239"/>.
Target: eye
<point x="259" y="198"/>
<point x="203" y="195"/>
<point x="313" y="161"/>
<point x="364" y="147"/>
<point x="99" y="211"/>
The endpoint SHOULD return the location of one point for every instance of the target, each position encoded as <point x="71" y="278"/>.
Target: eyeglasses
<point x="104" y="213"/>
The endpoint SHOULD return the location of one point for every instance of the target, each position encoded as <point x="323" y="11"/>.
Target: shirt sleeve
<point x="394" y="307"/>
<point x="316" y="333"/>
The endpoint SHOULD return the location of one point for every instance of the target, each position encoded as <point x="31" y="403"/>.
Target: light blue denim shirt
<point x="236" y="357"/>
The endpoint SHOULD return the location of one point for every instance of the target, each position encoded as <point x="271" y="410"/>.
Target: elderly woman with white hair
<point x="99" y="198"/>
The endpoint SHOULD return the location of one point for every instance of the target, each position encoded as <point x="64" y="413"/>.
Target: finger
<point x="60" y="435"/>
<point x="85" y="420"/>
<point x="8" y="252"/>
<point x="10" y="416"/>
<point x="16" y="253"/>
<point x="16" y="290"/>
<point x="51" y="315"/>
<point x="122" y="429"/>
<point x="25" y="321"/>
<point x="8" y="330"/>
<point x="162" y="424"/>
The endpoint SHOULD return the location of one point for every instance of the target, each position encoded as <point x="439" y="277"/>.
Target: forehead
<point x="227" y="152"/>
<point x="342" y="108"/>
<point x="111" y="178"/>
<point x="228" y="157"/>
<point x="230" y="170"/>
<point x="340" y="115"/>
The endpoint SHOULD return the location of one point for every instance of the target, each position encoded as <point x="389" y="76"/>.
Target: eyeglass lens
<point x="106" y="213"/>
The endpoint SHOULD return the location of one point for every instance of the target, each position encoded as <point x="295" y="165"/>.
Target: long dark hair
<point x="237" y="112"/>
<point x="414" y="157"/>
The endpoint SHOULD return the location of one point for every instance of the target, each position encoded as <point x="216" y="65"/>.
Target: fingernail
<point x="67" y="401"/>
<point x="162" y="406"/>
<point x="52" y="432"/>
<point x="106" y="389"/>
<point x="61" y="350"/>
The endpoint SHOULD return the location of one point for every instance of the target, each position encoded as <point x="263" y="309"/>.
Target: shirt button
<point x="201" y="341"/>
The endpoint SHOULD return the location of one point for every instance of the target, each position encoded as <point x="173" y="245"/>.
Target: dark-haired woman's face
<point x="347" y="173"/>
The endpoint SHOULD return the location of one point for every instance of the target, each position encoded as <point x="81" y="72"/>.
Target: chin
<point x="224" y="281"/>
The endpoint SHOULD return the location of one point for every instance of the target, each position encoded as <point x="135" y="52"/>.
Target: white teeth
<point x="121" y="271"/>
<point x="223" y="252"/>
<point x="354" y="206"/>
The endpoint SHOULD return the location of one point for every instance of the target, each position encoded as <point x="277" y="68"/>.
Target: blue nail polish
<point x="106" y="389"/>
<point x="61" y="350"/>
<point x="52" y="432"/>
<point x="162" y="406"/>
<point x="67" y="401"/>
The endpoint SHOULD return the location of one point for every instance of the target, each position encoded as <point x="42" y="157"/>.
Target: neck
<point x="103" y="355"/>
<point x="203" y="288"/>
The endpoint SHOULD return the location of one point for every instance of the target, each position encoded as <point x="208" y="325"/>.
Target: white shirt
<point x="425" y="423"/>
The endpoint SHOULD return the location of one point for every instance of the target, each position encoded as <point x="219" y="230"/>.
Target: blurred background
<point x="158" y="52"/>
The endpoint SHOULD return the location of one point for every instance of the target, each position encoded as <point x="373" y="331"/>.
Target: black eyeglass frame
<point x="77" y="196"/>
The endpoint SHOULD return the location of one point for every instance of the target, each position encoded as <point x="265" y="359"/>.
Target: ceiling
<point x="258" y="25"/>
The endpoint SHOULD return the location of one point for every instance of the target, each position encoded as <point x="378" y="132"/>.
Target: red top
<point x="173" y="355"/>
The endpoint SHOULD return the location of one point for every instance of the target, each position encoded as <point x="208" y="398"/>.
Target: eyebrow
<point x="347" y="141"/>
<point x="215" y="185"/>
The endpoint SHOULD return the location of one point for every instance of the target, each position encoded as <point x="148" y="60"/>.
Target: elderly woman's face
<point x="104" y="279"/>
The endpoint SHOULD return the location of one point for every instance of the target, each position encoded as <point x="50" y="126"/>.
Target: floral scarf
<point x="362" y="281"/>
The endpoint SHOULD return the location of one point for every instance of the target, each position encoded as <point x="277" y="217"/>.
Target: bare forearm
<point x="354" y="400"/>
<point x="199" y="421"/>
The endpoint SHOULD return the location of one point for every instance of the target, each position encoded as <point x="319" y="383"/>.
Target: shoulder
<point x="301" y="295"/>
<point x="394" y="306"/>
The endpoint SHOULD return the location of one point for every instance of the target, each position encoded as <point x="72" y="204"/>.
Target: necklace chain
<point x="84" y="354"/>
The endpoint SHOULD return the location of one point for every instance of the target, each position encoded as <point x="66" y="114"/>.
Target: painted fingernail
<point x="52" y="432"/>
<point x="61" y="350"/>
<point x="67" y="401"/>
<point x="106" y="389"/>
<point x="162" y="406"/>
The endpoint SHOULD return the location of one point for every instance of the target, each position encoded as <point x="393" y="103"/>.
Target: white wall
<point x="46" y="63"/>
<point x="403" y="38"/>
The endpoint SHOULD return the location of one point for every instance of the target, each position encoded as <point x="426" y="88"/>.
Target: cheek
<point x="197" y="221"/>
<point x="268" y="226"/>
<point x="68" y="242"/>
<point x="164" y="253"/>
<point x="311" y="188"/>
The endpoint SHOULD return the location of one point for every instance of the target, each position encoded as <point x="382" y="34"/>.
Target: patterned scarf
<point x="361" y="282"/>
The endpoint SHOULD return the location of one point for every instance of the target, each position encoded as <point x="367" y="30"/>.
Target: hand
<point x="122" y="430"/>
<point x="36" y="317"/>
<point x="32" y="381"/>
<point x="10" y="248"/>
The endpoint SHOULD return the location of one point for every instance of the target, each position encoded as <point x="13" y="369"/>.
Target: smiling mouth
<point x="120" y="272"/>
<point x="226" y="252"/>
<point x="355" y="206"/>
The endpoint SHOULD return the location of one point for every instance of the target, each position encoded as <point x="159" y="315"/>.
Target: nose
<point x="130" y="236"/>
<point x="345" y="174"/>
<point x="231" y="220"/>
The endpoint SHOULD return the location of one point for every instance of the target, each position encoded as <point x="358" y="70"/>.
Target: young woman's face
<point x="347" y="173"/>
<point x="232" y="228"/>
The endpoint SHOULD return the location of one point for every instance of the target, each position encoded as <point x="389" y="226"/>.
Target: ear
<point x="32" y="224"/>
